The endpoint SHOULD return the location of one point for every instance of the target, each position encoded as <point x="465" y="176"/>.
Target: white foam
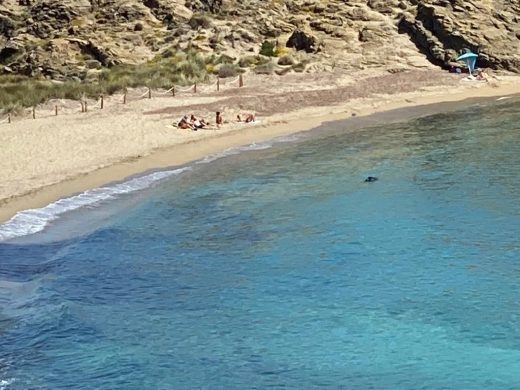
<point x="32" y="221"/>
<point x="251" y="147"/>
<point x="290" y="137"/>
<point x="254" y="146"/>
<point x="234" y="151"/>
<point x="5" y="382"/>
<point x="213" y="157"/>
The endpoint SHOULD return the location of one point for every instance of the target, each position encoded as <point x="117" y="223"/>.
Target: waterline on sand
<point x="35" y="220"/>
<point x="32" y="221"/>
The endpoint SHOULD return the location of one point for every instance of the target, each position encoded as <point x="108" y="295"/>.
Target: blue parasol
<point x="470" y="59"/>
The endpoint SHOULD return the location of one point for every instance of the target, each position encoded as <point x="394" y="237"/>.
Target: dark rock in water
<point x="371" y="179"/>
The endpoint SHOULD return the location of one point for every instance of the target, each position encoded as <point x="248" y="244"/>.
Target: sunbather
<point x="196" y="123"/>
<point x="184" y="123"/>
<point x="249" y="118"/>
<point x="481" y="75"/>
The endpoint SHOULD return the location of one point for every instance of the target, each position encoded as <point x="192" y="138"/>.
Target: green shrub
<point x="262" y="60"/>
<point x="181" y="68"/>
<point x="265" y="69"/>
<point x="227" y="70"/>
<point x="267" y="49"/>
<point x="210" y="68"/>
<point x="189" y="68"/>
<point x="199" y="21"/>
<point x="281" y="51"/>
<point x="299" y="67"/>
<point x="286" y="60"/>
<point x="223" y="59"/>
<point x="248" y="61"/>
<point x="283" y="71"/>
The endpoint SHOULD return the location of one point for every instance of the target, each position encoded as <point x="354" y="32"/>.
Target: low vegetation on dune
<point x="164" y="71"/>
<point x="17" y="92"/>
<point x="72" y="48"/>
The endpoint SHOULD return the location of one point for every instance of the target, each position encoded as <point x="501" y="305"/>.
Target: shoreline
<point x="395" y="108"/>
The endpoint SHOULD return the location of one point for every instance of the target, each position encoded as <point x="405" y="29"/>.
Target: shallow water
<point x="281" y="268"/>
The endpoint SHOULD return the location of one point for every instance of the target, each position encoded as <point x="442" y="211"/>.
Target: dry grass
<point x="17" y="92"/>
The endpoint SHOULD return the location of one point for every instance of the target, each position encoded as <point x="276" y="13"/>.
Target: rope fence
<point x="86" y="106"/>
<point x="167" y="92"/>
<point x="7" y="119"/>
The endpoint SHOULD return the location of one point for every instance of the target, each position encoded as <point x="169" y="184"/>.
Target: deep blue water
<point x="281" y="268"/>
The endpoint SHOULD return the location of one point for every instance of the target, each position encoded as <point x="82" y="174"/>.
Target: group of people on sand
<point x="193" y="123"/>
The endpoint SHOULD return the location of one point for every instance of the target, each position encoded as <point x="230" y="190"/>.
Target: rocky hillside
<point x="76" y="39"/>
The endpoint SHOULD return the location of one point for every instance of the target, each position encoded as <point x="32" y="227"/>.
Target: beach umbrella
<point x="470" y="59"/>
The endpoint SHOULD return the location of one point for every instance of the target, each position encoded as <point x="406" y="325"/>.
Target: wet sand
<point x="52" y="157"/>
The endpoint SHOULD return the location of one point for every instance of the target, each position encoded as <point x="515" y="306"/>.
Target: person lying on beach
<point x="455" y="69"/>
<point x="196" y="123"/>
<point x="249" y="118"/>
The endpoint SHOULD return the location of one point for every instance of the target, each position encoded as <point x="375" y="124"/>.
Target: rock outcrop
<point x="302" y="41"/>
<point x="441" y="29"/>
<point x="60" y="39"/>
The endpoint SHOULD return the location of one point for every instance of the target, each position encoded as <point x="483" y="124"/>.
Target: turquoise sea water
<point x="278" y="267"/>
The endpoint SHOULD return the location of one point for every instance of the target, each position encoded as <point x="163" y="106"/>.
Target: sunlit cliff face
<point x="37" y="36"/>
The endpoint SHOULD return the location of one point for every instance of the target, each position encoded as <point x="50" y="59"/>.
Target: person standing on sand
<point x="218" y="119"/>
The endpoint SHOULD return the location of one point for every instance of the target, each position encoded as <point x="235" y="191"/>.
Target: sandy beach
<point x="50" y="157"/>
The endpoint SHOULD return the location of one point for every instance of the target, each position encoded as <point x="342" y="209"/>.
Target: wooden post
<point x="102" y="102"/>
<point x="195" y="88"/>
<point x="8" y="118"/>
<point x="240" y="81"/>
<point x="218" y="84"/>
<point x="173" y="90"/>
<point x="82" y="106"/>
<point x="149" y="93"/>
<point x="86" y="107"/>
<point x="56" y="110"/>
<point x="124" y="98"/>
<point x="34" y="112"/>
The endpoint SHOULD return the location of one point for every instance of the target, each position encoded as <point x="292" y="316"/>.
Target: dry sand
<point x="48" y="158"/>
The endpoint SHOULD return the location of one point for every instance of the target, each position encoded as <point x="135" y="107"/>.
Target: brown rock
<point x="440" y="31"/>
<point x="36" y="36"/>
<point x="299" y="40"/>
<point x="7" y="26"/>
